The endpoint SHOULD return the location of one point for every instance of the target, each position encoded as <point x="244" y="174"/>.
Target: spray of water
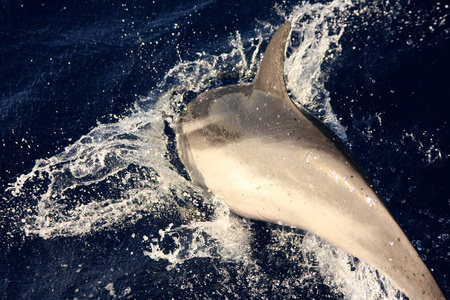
<point x="316" y="31"/>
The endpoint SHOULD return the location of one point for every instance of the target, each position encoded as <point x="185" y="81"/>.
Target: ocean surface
<point x="94" y="202"/>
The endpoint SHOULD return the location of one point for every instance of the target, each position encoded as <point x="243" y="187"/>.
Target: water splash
<point x="316" y="31"/>
<point x="226" y="237"/>
<point x="113" y="174"/>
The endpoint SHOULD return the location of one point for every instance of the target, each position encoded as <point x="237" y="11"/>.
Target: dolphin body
<point x="274" y="162"/>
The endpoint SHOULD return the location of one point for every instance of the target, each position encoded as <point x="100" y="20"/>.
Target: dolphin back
<point x="270" y="161"/>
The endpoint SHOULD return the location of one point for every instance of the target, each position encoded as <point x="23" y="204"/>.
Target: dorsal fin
<point x="270" y="77"/>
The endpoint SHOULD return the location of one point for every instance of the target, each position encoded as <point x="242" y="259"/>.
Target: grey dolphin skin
<point x="272" y="161"/>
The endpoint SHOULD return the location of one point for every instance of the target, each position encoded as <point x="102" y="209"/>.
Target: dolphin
<point x="273" y="161"/>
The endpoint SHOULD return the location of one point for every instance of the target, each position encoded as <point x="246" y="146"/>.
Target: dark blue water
<point x="67" y="68"/>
